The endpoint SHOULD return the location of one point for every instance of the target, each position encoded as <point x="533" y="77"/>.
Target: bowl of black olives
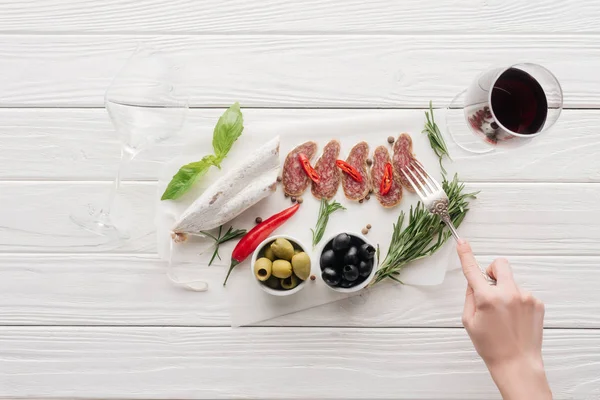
<point x="347" y="262"/>
<point x="281" y="266"/>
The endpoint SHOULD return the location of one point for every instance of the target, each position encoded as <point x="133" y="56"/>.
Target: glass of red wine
<point x="505" y="106"/>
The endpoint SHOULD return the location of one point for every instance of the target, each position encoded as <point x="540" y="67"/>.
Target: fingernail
<point x="461" y="241"/>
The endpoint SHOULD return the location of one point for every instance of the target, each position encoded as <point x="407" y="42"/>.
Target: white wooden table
<point x="85" y="319"/>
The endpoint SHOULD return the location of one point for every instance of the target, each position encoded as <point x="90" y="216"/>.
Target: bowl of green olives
<point x="280" y="265"/>
<point x="347" y="262"/>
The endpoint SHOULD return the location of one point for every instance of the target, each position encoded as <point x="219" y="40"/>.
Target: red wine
<point x="519" y="102"/>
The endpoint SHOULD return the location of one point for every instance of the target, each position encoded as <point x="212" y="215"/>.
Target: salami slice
<point x="294" y="179"/>
<point x="357" y="158"/>
<point x="328" y="172"/>
<point x="403" y="156"/>
<point x="393" y="197"/>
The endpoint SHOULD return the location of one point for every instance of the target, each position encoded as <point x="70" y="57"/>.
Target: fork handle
<point x="448" y="222"/>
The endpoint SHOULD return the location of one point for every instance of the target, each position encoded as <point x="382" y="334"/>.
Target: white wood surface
<point x="80" y="144"/>
<point x="305" y="16"/>
<point x="82" y="317"/>
<point x="132" y="290"/>
<point x="294" y="70"/>
<point x="273" y="363"/>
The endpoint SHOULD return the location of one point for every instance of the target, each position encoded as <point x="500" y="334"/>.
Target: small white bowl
<point x="366" y="281"/>
<point x="255" y="255"/>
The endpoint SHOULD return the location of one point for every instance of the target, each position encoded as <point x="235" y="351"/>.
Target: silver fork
<point x="435" y="199"/>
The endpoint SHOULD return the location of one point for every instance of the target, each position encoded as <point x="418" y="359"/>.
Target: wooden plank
<point x="133" y="290"/>
<point x="36" y="217"/>
<point x="80" y="144"/>
<point x="518" y="219"/>
<point x="306" y="16"/>
<point x="273" y="363"/>
<point x="293" y="70"/>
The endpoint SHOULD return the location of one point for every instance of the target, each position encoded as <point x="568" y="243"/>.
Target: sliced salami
<point x="392" y="198"/>
<point x="294" y="179"/>
<point x="357" y="158"/>
<point x="328" y="172"/>
<point x="403" y="156"/>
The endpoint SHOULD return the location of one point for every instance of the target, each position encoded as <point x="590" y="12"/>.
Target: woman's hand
<point x="505" y="324"/>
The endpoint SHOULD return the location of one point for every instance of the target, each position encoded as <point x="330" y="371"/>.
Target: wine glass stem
<point x="126" y="157"/>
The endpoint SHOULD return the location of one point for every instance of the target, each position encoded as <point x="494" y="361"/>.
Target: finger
<point x="501" y="270"/>
<point x="470" y="267"/>
<point x="539" y="316"/>
<point x="469" y="309"/>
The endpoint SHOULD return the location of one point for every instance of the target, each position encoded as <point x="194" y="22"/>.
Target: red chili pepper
<point x="310" y="171"/>
<point x="386" y="182"/>
<point x="256" y="235"/>
<point x="350" y="170"/>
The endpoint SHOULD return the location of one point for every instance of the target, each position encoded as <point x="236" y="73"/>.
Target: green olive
<point x="290" y="283"/>
<point x="283" y="249"/>
<point x="262" y="269"/>
<point x="273" y="283"/>
<point x="282" y="269"/>
<point x="301" y="265"/>
<point x="269" y="253"/>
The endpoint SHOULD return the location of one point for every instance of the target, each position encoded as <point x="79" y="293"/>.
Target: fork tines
<point x="420" y="180"/>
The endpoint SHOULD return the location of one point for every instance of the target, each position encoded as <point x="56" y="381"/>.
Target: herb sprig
<point x="219" y="240"/>
<point x="436" y="140"/>
<point x="226" y="132"/>
<point x="325" y="211"/>
<point x="424" y="234"/>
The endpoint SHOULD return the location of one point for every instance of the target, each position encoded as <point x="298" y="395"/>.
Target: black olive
<point x="346" y="284"/>
<point x="341" y="242"/>
<point x="365" y="268"/>
<point x="351" y="257"/>
<point x="350" y="273"/>
<point x="327" y="259"/>
<point x="366" y="252"/>
<point x="331" y="276"/>
<point x="356" y="241"/>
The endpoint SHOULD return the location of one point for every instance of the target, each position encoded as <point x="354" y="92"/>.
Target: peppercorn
<point x="312" y="277"/>
<point x="300" y="200"/>
<point x="361" y="201"/>
<point x="368" y="226"/>
<point x="369" y="162"/>
<point x="365" y="231"/>
<point x="367" y="197"/>
<point x="391" y="139"/>
<point x="293" y="199"/>
<point x="286" y="195"/>
<point x="258" y="220"/>
<point x="279" y="179"/>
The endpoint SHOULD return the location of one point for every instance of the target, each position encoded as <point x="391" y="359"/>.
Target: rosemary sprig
<point x="436" y="140"/>
<point x="325" y="211"/>
<point x="219" y="240"/>
<point x="424" y="234"/>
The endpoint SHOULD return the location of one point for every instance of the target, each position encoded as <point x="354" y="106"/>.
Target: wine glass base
<point x="459" y="130"/>
<point x="99" y="223"/>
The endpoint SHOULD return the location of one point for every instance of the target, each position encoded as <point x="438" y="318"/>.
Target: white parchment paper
<point x="248" y="303"/>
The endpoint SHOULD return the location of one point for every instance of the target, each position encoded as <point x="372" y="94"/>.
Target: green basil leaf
<point x="186" y="176"/>
<point x="227" y="130"/>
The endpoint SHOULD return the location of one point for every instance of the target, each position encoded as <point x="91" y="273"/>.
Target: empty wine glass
<point x="146" y="104"/>
<point x="505" y="106"/>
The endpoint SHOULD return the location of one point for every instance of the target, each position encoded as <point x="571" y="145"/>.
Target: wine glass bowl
<point x="146" y="103"/>
<point x="143" y="102"/>
<point x="505" y="106"/>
